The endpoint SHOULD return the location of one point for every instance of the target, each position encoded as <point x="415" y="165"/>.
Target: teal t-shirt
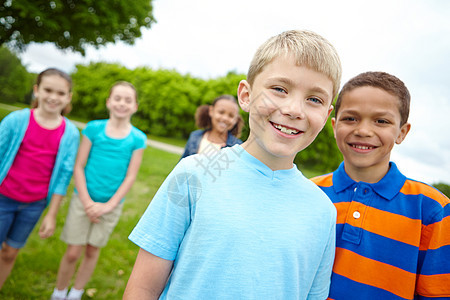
<point x="108" y="159"/>
<point x="235" y="229"/>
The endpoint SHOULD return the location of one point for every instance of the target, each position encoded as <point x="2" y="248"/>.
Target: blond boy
<point x="246" y="224"/>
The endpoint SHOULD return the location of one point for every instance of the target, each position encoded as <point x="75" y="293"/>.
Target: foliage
<point x="73" y="24"/>
<point x="167" y="99"/>
<point x="91" y="88"/>
<point x="15" y="81"/>
<point x="444" y="188"/>
<point x="323" y="154"/>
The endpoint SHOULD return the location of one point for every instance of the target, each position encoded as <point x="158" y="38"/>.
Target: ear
<point x="210" y="110"/>
<point x="243" y="94"/>
<point x="330" y="109"/>
<point x="333" y="124"/>
<point x="35" y="90"/>
<point x="403" y="132"/>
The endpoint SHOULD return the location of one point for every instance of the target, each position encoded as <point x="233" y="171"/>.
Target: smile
<point x="286" y="130"/>
<point x="362" y="147"/>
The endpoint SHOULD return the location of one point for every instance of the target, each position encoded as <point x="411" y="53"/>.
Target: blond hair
<point x="308" y="48"/>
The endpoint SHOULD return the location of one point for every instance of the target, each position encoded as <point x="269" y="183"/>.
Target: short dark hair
<point x="384" y="81"/>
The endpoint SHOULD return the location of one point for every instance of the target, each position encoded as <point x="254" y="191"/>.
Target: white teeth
<point x="285" y="130"/>
<point x="362" y="147"/>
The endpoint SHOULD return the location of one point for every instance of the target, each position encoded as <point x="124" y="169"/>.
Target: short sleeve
<point x="433" y="278"/>
<point x="140" y="139"/>
<point x="161" y="229"/>
<point x="91" y="130"/>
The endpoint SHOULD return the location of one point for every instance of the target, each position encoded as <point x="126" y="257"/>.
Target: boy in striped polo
<point x="393" y="233"/>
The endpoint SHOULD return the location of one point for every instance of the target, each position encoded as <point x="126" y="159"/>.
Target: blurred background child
<point x="37" y="153"/>
<point x="220" y="125"/>
<point x="107" y="164"/>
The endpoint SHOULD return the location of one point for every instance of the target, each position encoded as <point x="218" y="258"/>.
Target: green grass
<point x="34" y="274"/>
<point x="173" y="141"/>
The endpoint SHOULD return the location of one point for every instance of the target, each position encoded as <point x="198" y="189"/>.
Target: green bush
<point x="15" y="82"/>
<point x="444" y="188"/>
<point x="167" y="99"/>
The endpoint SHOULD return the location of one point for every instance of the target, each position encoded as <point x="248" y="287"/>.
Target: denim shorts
<point x="17" y="220"/>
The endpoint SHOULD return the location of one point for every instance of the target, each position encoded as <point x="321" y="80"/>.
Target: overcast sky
<point x="409" y="39"/>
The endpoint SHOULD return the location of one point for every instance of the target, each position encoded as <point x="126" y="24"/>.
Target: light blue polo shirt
<point x="235" y="229"/>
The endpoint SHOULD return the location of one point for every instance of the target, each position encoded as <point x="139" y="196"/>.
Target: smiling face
<point x="122" y="102"/>
<point x="224" y="115"/>
<point x="53" y="94"/>
<point x="366" y="128"/>
<point x="288" y="106"/>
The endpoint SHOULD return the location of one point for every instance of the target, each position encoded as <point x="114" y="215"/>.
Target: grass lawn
<point x="34" y="274"/>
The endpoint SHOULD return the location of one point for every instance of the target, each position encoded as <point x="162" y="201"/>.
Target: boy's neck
<point x="274" y="163"/>
<point x="369" y="175"/>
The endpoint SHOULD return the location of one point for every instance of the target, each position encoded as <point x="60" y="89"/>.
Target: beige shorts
<point x="79" y="230"/>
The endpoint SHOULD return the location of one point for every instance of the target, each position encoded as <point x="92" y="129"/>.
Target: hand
<point x="96" y="210"/>
<point x="47" y="227"/>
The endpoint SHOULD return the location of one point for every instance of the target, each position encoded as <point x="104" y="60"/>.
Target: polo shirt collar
<point x="388" y="187"/>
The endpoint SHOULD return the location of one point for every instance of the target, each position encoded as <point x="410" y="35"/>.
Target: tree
<point x="73" y="24"/>
<point x="15" y="81"/>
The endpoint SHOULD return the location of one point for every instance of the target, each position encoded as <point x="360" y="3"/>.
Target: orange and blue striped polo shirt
<point x="392" y="238"/>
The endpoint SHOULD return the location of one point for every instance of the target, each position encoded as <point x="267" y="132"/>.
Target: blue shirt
<point x="392" y="238"/>
<point x="12" y="132"/>
<point x="108" y="159"/>
<point x="238" y="230"/>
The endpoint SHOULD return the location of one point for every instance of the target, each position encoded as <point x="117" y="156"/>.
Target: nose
<point x="293" y="108"/>
<point x="363" y="129"/>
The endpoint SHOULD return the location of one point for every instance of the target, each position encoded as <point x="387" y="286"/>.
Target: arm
<point x="433" y="275"/>
<point x="5" y="137"/>
<point x="98" y="209"/>
<point x="321" y="284"/>
<point x="80" y="177"/>
<point x="192" y="143"/>
<point x="49" y="222"/>
<point x="149" y="276"/>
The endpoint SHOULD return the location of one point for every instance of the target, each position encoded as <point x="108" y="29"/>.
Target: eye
<point x="383" y="121"/>
<point x="315" y="100"/>
<point x="279" y="90"/>
<point x="348" y="119"/>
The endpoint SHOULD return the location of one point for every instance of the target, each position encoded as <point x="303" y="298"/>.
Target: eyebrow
<point x="374" y="113"/>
